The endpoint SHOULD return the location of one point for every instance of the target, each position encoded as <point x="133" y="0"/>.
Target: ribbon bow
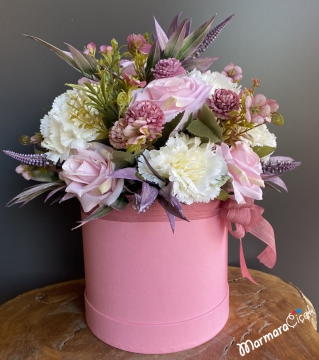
<point x="248" y="218"/>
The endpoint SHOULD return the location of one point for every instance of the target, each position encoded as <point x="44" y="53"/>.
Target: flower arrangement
<point x="148" y="121"/>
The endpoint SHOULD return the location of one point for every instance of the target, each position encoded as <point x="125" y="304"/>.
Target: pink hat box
<point x="151" y="291"/>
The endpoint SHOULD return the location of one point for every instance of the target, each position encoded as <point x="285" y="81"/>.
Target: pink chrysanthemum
<point x="116" y="136"/>
<point x="168" y="68"/>
<point x="223" y="102"/>
<point x="145" y="122"/>
<point x="234" y="73"/>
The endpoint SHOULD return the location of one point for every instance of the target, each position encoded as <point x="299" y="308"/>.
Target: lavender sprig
<point x="29" y="159"/>
<point x="211" y="36"/>
<point x="279" y="164"/>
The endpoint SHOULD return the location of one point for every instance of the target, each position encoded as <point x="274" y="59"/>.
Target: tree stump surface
<point x="49" y="324"/>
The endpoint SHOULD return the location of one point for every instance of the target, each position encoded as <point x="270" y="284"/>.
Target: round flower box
<point x="151" y="291"/>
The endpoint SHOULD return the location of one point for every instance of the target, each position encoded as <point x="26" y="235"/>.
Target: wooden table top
<point x="49" y="324"/>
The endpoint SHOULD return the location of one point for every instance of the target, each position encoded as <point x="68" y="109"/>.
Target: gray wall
<point x="274" y="40"/>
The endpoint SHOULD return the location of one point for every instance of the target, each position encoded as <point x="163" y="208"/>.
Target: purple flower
<point x="138" y="43"/>
<point x="223" y="102"/>
<point x="234" y="73"/>
<point x="116" y="136"/>
<point x="257" y="109"/>
<point x="168" y="68"/>
<point x="145" y="122"/>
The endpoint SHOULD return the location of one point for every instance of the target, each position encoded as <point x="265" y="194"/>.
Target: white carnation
<point x="69" y="125"/>
<point x="194" y="168"/>
<point x="216" y="80"/>
<point x="261" y="136"/>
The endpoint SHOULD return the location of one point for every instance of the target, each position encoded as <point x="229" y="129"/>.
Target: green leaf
<point x="277" y="118"/>
<point x="168" y="128"/>
<point x="123" y="159"/>
<point x="57" y="51"/>
<point x="102" y="87"/>
<point x="199" y="129"/>
<point x="175" y="42"/>
<point x="263" y="151"/>
<point x="120" y="203"/>
<point x="190" y="118"/>
<point x="193" y="40"/>
<point x="206" y="116"/>
<point x="206" y="126"/>
<point x="223" y="195"/>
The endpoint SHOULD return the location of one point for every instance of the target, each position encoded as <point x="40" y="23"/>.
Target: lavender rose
<point x="86" y="174"/>
<point x="174" y="95"/>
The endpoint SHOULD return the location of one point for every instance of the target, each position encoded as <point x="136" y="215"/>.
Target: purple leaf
<point x="126" y="173"/>
<point x="153" y="170"/>
<point x="188" y="27"/>
<point x="175" y="42"/>
<point x="96" y="214"/>
<point x="278" y="181"/>
<point x="171" y="218"/>
<point x="171" y="203"/>
<point x="174" y="25"/>
<point x="201" y="64"/>
<point x="62" y="54"/>
<point x="53" y="192"/>
<point x="67" y="196"/>
<point x="81" y="61"/>
<point x="147" y="197"/>
<point x="161" y="36"/>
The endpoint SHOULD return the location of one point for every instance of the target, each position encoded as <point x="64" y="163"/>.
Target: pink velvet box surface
<point x="151" y="291"/>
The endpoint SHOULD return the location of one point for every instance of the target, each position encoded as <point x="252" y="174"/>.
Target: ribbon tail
<point x="265" y="233"/>
<point x="243" y="266"/>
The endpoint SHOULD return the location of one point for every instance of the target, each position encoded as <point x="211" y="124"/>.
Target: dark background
<point x="274" y="40"/>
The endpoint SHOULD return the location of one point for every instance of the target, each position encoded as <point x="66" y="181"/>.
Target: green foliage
<point x="123" y="159"/>
<point x="206" y="126"/>
<point x="223" y="195"/>
<point x="168" y="128"/>
<point x="120" y="203"/>
<point x="263" y="151"/>
<point x="277" y="118"/>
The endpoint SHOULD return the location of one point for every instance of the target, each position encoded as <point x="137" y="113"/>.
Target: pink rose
<point x="86" y="174"/>
<point x="244" y="167"/>
<point x="176" y="94"/>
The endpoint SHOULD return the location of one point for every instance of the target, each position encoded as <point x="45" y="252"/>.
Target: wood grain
<point x="49" y="324"/>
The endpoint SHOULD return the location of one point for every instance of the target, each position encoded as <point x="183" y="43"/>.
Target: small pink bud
<point x="90" y="48"/>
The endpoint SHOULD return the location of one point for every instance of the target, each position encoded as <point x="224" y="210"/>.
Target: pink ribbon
<point x="248" y="218"/>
